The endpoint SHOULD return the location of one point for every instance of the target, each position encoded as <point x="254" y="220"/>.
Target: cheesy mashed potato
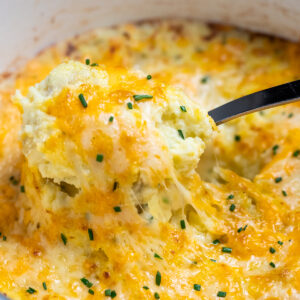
<point x="102" y="191"/>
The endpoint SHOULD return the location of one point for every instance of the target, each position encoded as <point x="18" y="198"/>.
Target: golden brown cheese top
<point x="240" y="233"/>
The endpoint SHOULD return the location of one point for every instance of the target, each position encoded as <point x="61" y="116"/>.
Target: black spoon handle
<point x="277" y="95"/>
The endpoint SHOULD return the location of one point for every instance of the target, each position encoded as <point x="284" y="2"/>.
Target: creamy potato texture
<point x="105" y="195"/>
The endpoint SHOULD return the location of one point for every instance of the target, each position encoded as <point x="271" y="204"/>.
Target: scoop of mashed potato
<point x="95" y="138"/>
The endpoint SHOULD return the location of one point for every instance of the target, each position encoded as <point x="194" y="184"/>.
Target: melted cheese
<point x="212" y="65"/>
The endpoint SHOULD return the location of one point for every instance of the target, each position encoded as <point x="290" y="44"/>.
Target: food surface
<point x="103" y="192"/>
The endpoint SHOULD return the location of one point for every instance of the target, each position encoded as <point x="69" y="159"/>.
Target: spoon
<point x="275" y="96"/>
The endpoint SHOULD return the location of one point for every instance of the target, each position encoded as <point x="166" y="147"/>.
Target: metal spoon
<point x="277" y="95"/>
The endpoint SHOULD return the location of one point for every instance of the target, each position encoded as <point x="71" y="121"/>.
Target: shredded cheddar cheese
<point x="111" y="199"/>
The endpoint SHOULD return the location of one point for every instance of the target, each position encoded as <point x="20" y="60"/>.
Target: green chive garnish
<point x="183" y="108"/>
<point x="145" y="287"/>
<point x="232" y="207"/>
<point x="272" y="264"/>
<point x="226" y="250"/>
<point x="113" y="294"/>
<point x="278" y="179"/>
<point x="242" y="228"/>
<point x="230" y="197"/>
<point x="99" y="157"/>
<point x="129" y="105"/>
<point x="91" y="234"/>
<point x="117" y="209"/>
<point x="149" y="77"/>
<point x="180" y="133"/>
<point x="272" y="250"/>
<point x="216" y="242"/>
<point x="82" y="100"/>
<point x="115" y="185"/>
<point x="158" y="278"/>
<point x="63" y="238"/>
<point x="87" y="61"/>
<point x="197" y="287"/>
<point x="91" y="292"/>
<point x="86" y="282"/>
<point x="44" y="286"/>
<point x="22" y="189"/>
<point x="296" y="153"/>
<point x="157" y="256"/>
<point x="290" y="115"/>
<point x="4" y="238"/>
<point x="182" y="224"/>
<point x="107" y="292"/>
<point x="213" y="260"/>
<point x="275" y="148"/>
<point x="30" y="290"/>
<point x="94" y="65"/>
<point x="140" y="97"/>
<point x="221" y="294"/>
<point x="280" y="243"/>
<point x="284" y="193"/>
<point x="237" y="138"/>
<point x="111" y="118"/>
<point x="13" y="180"/>
<point x="156" y="295"/>
<point x="204" y="79"/>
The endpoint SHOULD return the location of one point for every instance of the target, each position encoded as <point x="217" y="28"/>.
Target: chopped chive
<point x="94" y="65"/>
<point x="107" y="292"/>
<point x="129" y="105"/>
<point x="111" y="118"/>
<point x="226" y="250"/>
<point x="30" y="290"/>
<point x="272" y="250"/>
<point x="237" y="138"/>
<point x="22" y="189"/>
<point x="87" y="61"/>
<point x="221" y="294"/>
<point x="99" y="157"/>
<point x="44" y="286"/>
<point x="183" y="108"/>
<point x="82" y="100"/>
<point x="182" y="224"/>
<point x="115" y="185"/>
<point x="91" y="234"/>
<point x="180" y="133"/>
<point x="158" y="278"/>
<point x="204" y="79"/>
<point x="157" y="256"/>
<point x="240" y="229"/>
<point x="213" y="260"/>
<point x="296" y="153"/>
<point x="156" y="295"/>
<point x="232" y="207"/>
<point x="290" y="115"/>
<point x="63" y="238"/>
<point x="230" y="197"/>
<point x="275" y="148"/>
<point x="86" y="282"/>
<point x="216" y="242"/>
<point x="194" y="262"/>
<point x="284" y="193"/>
<point x="113" y="294"/>
<point x="91" y="292"/>
<point x="117" y="209"/>
<point x="272" y="264"/>
<point x="149" y="77"/>
<point x="197" y="287"/>
<point x="13" y="180"/>
<point x="4" y="238"/>
<point x="277" y="179"/>
<point x="141" y="97"/>
<point x="145" y="287"/>
<point x="280" y="243"/>
<point x="245" y="227"/>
